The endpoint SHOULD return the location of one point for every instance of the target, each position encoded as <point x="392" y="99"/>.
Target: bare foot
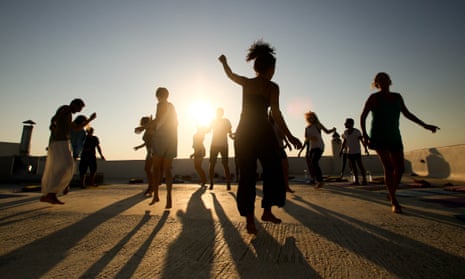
<point x="51" y="199"/>
<point x="57" y="201"/>
<point x="251" y="229"/>
<point x="147" y="193"/>
<point x="270" y="218"/>
<point x="154" y="200"/>
<point x="320" y="184"/>
<point x="396" y="208"/>
<point x="46" y="199"/>
<point x="289" y="190"/>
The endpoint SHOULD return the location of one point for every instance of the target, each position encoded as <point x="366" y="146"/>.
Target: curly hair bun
<point x="258" y="49"/>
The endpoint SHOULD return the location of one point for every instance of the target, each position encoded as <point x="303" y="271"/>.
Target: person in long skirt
<point x="59" y="166"/>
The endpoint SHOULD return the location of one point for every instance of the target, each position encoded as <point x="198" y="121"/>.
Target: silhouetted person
<point x="147" y="138"/>
<point x="385" y="138"/>
<point x="164" y="144"/>
<point x="199" y="153"/>
<point x="221" y="128"/>
<point x="78" y="137"/>
<point x="351" y="139"/>
<point x="255" y="136"/>
<point x="89" y="158"/>
<point x="315" y="141"/>
<point x="59" y="166"/>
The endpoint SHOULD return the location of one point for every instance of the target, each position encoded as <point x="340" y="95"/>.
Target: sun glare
<point x="201" y="113"/>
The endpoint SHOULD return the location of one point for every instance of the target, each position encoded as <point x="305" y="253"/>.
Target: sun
<point x="201" y="113"/>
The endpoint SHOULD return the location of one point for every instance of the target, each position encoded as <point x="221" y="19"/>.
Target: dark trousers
<point x="315" y="170"/>
<point x="260" y="145"/>
<point x="88" y="161"/>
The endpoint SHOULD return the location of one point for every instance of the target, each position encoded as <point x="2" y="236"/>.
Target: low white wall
<point x="439" y="162"/>
<point x="447" y="162"/>
<point x="442" y="162"/>
<point x="128" y="169"/>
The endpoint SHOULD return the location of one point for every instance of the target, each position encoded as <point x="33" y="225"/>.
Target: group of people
<point x="350" y="149"/>
<point x="314" y="146"/>
<point x="256" y="139"/>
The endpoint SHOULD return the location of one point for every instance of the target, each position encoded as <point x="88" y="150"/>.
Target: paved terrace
<point x="340" y="231"/>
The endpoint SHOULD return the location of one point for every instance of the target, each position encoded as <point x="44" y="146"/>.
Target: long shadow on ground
<point x="401" y="256"/>
<point x="54" y="247"/>
<point x="267" y="255"/>
<point x="192" y="252"/>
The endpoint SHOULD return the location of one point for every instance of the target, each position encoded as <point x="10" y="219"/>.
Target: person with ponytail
<point x="385" y="107"/>
<point x="255" y="136"/>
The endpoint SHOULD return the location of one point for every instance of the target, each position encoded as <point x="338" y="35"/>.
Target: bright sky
<point x="114" y="54"/>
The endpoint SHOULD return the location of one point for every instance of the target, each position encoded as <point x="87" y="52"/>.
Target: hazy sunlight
<point x="201" y="113"/>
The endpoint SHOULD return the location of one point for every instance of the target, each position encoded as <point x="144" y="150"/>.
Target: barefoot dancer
<point x="59" y="166"/>
<point x="315" y="141"/>
<point x="221" y="129"/>
<point x="352" y="138"/>
<point x="199" y="153"/>
<point x="147" y="138"/>
<point x="385" y="138"/>
<point x="164" y="144"/>
<point x="89" y="158"/>
<point x="255" y="136"/>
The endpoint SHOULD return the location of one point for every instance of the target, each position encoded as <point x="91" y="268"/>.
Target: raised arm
<point x="415" y="119"/>
<point x="77" y="127"/>
<point x="234" y="77"/>
<point x="328" y="131"/>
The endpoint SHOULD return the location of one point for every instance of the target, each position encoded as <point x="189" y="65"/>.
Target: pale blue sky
<point x="114" y="54"/>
